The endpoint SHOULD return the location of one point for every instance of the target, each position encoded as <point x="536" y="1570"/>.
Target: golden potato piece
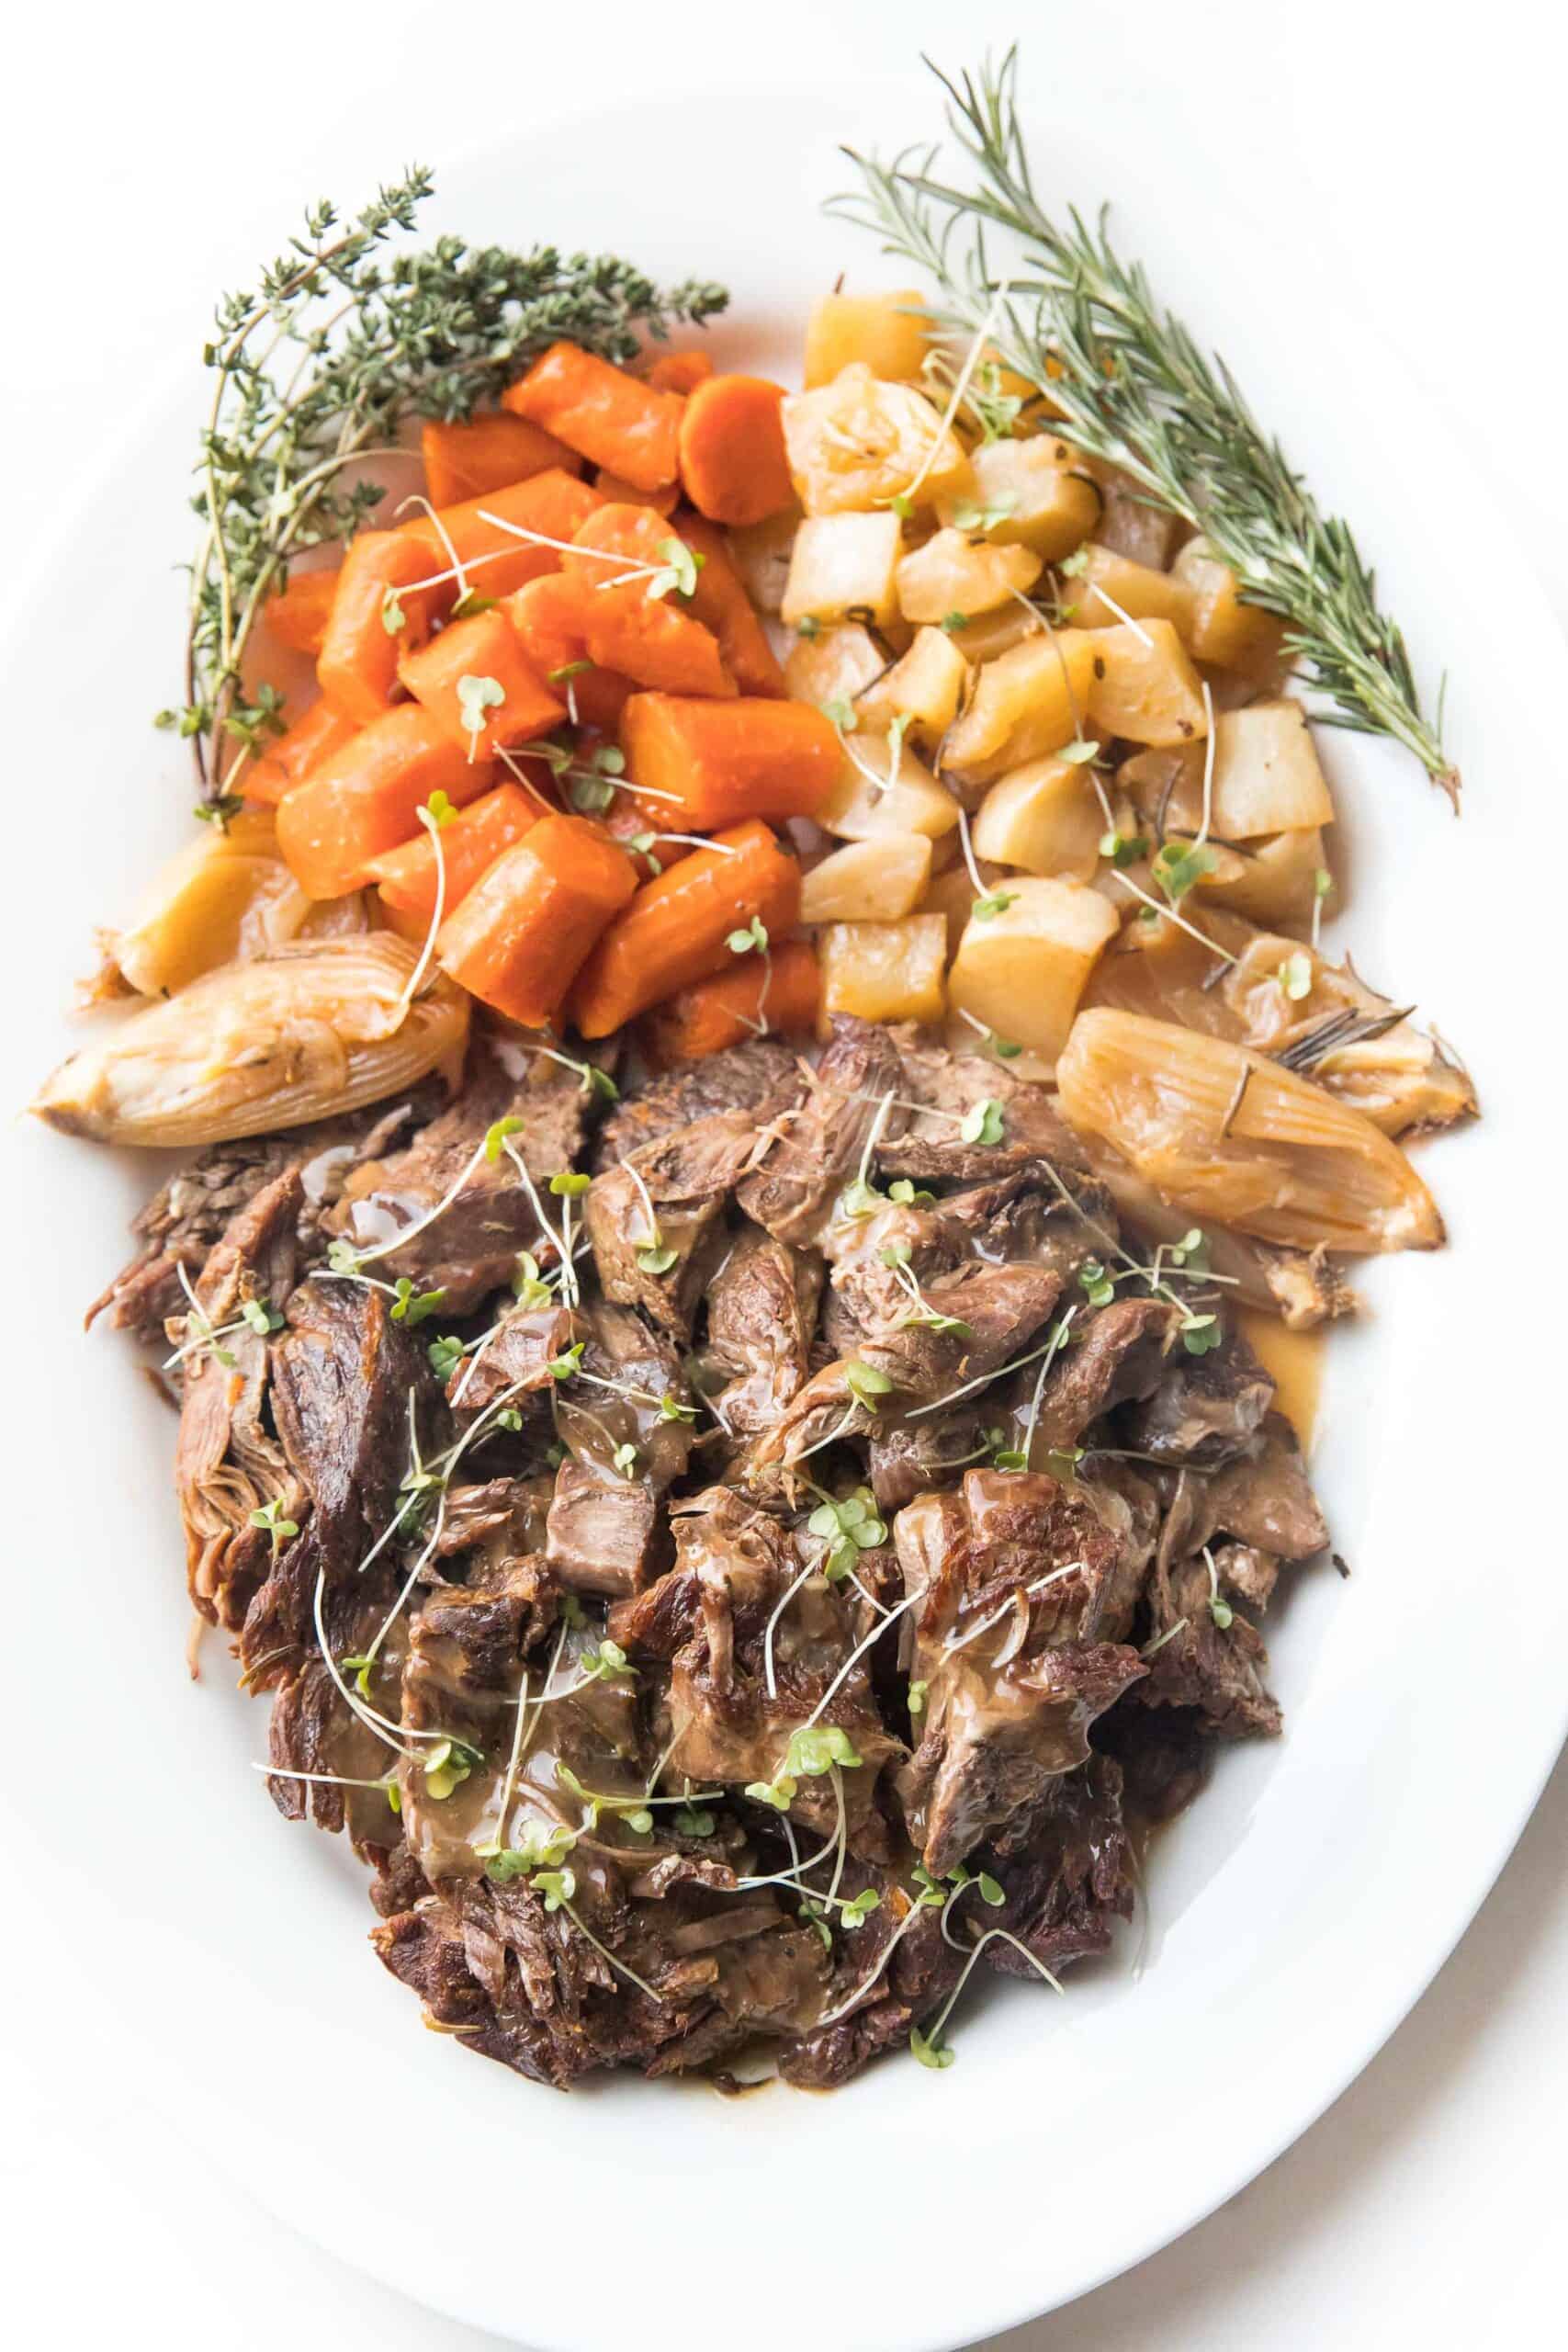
<point x="221" y="899"/>
<point x="1144" y="686"/>
<point x="1029" y="701"/>
<point x="877" y="796"/>
<point x="869" y="881"/>
<point x="1266" y="775"/>
<point x="889" y="333"/>
<point x="1034" y="493"/>
<point x="761" y="554"/>
<point x="1223" y="629"/>
<point x="884" y="971"/>
<point x="858" y="444"/>
<point x="924" y="688"/>
<point x="953" y="573"/>
<point x="834" y="665"/>
<point x="1112" y="588"/>
<point x="1045" y="817"/>
<point x="1236" y="1139"/>
<point x="1021" y="970"/>
<point x="843" y="568"/>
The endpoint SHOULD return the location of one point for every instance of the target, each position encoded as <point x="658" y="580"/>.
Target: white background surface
<point x="1412" y="162"/>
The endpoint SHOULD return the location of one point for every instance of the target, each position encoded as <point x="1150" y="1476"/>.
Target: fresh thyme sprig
<point x="319" y="368"/>
<point x="1133" y="388"/>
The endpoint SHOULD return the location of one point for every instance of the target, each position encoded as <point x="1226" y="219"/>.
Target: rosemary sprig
<point x="1133" y="388"/>
<point x="318" y="369"/>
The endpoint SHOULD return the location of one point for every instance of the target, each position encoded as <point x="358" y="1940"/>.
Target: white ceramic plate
<point x="1300" y="1909"/>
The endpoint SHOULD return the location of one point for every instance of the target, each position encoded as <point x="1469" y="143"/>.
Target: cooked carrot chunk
<point x="733" y="466"/>
<point x="488" y="453"/>
<point x="721" y="604"/>
<point x="519" y="938"/>
<point x="551" y="618"/>
<point x="313" y="738"/>
<point x="617" y="557"/>
<point x="678" y="927"/>
<point x="680" y="372"/>
<point x="780" y="993"/>
<point x="726" y="761"/>
<point x="376" y="615"/>
<point x="552" y="504"/>
<point x="297" y="615"/>
<point x="470" y="841"/>
<point x="477" y="684"/>
<point x="365" y="800"/>
<point x="613" y="421"/>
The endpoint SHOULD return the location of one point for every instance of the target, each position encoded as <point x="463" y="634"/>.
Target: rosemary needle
<point x="1131" y="387"/>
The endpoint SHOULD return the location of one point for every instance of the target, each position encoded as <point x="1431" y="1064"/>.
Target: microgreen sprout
<point x="449" y="1764"/>
<point x="951" y="621"/>
<point x="1124" y="848"/>
<point x="848" y="1528"/>
<point x="606" y="1662"/>
<point x="865" y="1382"/>
<point x="755" y="935"/>
<point x="812" y="1751"/>
<point x="1220" y="1609"/>
<point x="917" y="1690"/>
<point x="394" y="620"/>
<point x="568" y="1363"/>
<point x="1295" y="976"/>
<point x="412" y="1305"/>
<point x="541" y="1847"/>
<point x="983" y="1122"/>
<point x="475" y="697"/>
<point x="279" y="1528"/>
<point x="969" y="514"/>
<point x="1098" y="1287"/>
<point x="679" y="577"/>
<point x="626" y="1459"/>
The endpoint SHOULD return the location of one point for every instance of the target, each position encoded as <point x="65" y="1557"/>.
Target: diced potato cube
<point x="888" y="333"/>
<point x="951" y="895"/>
<point x="988" y="633"/>
<point x="1144" y="685"/>
<point x="954" y="574"/>
<point x="1038" y="491"/>
<point x="761" y="554"/>
<point x="884" y="971"/>
<point x="1143" y="594"/>
<point x="1267" y="777"/>
<point x="843" y="568"/>
<point x="1022" y="971"/>
<point x="925" y="687"/>
<point x="1031" y="700"/>
<point x="862" y="807"/>
<point x="1130" y="525"/>
<point x="1224" y="630"/>
<point x="859" y="443"/>
<point x="1273" y="881"/>
<point x="1045" y="817"/>
<point x="834" y="665"/>
<point x="871" y="881"/>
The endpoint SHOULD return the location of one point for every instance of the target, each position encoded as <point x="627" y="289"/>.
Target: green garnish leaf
<point x="475" y="697"/>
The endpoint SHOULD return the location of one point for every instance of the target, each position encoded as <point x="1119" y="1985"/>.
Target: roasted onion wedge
<point x="313" y="1027"/>
<point x="1355" y="1043"/>
<point x="1237" y="1140"/>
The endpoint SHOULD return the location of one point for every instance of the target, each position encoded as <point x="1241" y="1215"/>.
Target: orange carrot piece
<point x="677" y="928"/>
<point x="680" y="372"/>
<point x="733" y="466"/>
<point x="781" y="995"/>
<point x="651" y="640"/>
<point x="726" y="761"/>
<point x="485" y="654"/>
<point x="621" y="492"/>
<point x="520" y="937"/>
<point x="722" y="604"/>
<point x="552" y="503"/>
<point x="357" y="665"/>
<point x="365" y="800"/>
<point x="551" y="618"/>
<point x="488" y="453"/>
<point x="297" y="615"/>
<point x="600" y="409"/>
<point x="314" y="737"/>
<point x="470" y="841"/>
<point x="626" y="824"/>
